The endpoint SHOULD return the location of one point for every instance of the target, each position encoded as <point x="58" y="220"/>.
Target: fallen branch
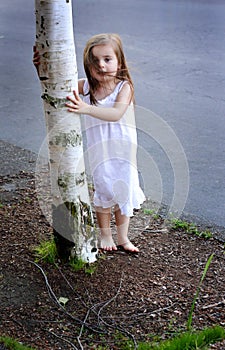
<point x="63" y="339"/>
<point x="54" y="298"/>
<point x="93" y="308"/>
<point x="214" y="305"/>
<point x="112" y="326"/>
<point x="110" y="300"/>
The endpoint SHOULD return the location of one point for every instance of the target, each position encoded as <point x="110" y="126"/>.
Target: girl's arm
<point x="111" y="114"/>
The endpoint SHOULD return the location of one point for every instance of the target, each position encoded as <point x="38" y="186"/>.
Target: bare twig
<point x="214" y="305"/>
<point x="63" y="339"/>
<point x="113" y="326"/>
<point x="82" y="328"/>
<point x="146" y="314"/>
<point x="84" y="323"/>
<point x="111" y="300"/>
<point x="54" y="298"/>
<point x="157" y="311"/>
<point x="101" y="320"/>
<point x="69" y="284"/>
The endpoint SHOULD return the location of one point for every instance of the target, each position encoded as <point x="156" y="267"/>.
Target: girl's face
<point x="105" y="63"/>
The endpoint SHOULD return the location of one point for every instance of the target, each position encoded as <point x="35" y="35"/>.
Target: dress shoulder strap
<point x="86" y="87"/>
<point x="121" y="84"/>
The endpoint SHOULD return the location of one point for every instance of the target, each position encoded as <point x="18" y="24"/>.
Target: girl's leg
<point x="122" y="224"/>
<point x="104" y="218"/>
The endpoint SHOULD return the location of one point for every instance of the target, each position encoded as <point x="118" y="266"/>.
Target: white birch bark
<point x="72" y="216"/>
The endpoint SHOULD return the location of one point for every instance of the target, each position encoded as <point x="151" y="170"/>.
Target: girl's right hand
<point x="36" y="59"/>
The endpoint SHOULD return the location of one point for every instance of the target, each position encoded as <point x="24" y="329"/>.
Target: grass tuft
<point x="79" y="264"/>
<point x="189" y="340"/>
<point x="12" y="344"/>
<point x="46" y="251"/>
<point x="178" y="224"/>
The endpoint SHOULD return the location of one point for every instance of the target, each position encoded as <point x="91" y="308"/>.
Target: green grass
<point x="178" y="224"/>
<point x="189" y="322"/>
<point x="151" y="212"/>
<point x="79" y="264"/>
<point x="188" y="340"/>
<point x="12" y="344"/>
<point x="46" y="251"/>
<point x="90" y="269"/>
<point x="198" y="340"/>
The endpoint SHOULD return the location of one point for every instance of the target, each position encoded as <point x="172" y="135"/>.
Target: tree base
<point x="64" y="247"/>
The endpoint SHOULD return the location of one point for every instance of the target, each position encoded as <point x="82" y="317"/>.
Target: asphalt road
<point x="176" y="51"/>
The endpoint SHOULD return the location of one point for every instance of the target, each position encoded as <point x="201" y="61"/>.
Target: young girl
<point x="107" y="106"/>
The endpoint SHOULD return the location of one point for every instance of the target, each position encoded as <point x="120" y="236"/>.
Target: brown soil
<point x="127" y="297"/>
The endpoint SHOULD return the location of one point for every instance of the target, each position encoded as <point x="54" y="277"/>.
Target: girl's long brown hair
<point x="90" y="62"/>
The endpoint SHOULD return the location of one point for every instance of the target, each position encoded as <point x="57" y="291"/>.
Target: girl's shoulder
<point x="124" y="92"/>
<point x="122" y="84"/>
<point x="120" y="87"/>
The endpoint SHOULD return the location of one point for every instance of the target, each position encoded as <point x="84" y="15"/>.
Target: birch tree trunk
<point x="71" y="211"/>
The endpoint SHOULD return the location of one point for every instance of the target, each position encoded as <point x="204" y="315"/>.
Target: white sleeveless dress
<point x="112" y="148"/>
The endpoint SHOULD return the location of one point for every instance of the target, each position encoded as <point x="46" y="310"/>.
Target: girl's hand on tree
<point x="36" y="58"/>
<point x="77" y="105"/>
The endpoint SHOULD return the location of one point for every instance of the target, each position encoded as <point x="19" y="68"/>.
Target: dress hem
<point x="123" y="209"/>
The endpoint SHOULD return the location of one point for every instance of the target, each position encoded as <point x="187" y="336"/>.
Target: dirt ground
<point x="123" y="297"/>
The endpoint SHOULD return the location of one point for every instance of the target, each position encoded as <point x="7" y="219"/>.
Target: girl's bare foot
<point x="107" y="243"/>
<point x="128" y="247"/>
